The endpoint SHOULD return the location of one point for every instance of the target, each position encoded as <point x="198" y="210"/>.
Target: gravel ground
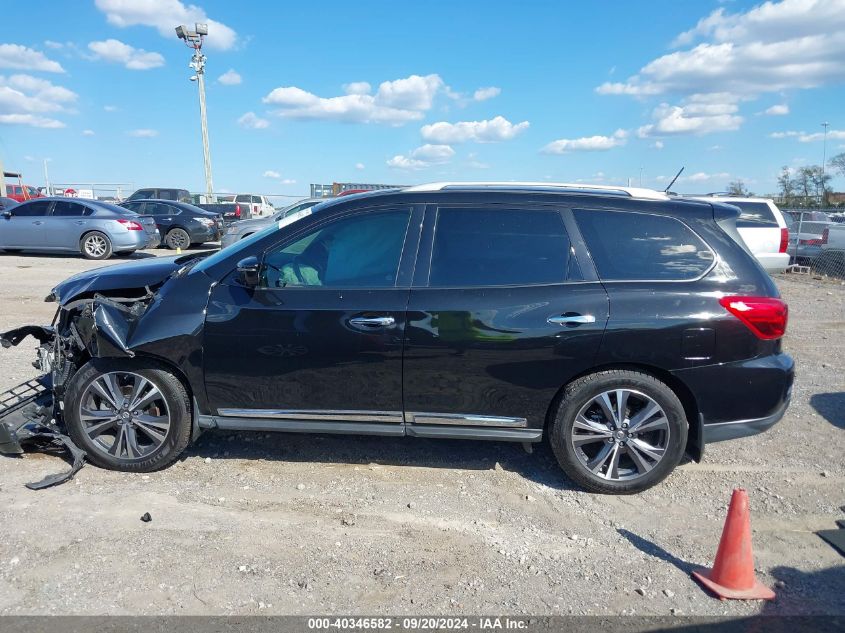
<point x="296" y="524"/>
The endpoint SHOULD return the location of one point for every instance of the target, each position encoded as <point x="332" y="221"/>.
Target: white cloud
<point x="117" y="52"/>
<point x="88" y="132"/>
<point x="700" y="114"/>
<point x="394" y="103"/>
<point x="110" y="108"/>
<point x="165" y="16"/>
<point x="482" y="94"/>
<point x="422" y="157"/>
<point x="20" y="57"/>
<point x="657" y="145"/>
<point x="772" y="47"/>
<point x="804" y="137"/>
<point x="54" y="45"/>
<point x="360" y="166"/>
<point x="24" y="99"/>
<point x="777" y="110"/>
<point x="489" y="131"/>
<point x="704" y="177"/>
<point x="143" y="133"/>
<point x="230" y="78"/>
<point x="357" y="88"/>
<point x="272" y="174"/>
<point x="252" y="121"/>
<point x="587" y="143"/>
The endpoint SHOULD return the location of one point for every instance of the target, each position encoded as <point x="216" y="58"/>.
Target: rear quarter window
<point x="629" y="246"/>
<point x="754" y="214"/>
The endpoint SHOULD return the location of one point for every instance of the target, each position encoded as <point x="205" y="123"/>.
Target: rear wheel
<point x="95" y="245"/>
<point x="177" y="238"/>
<point x="619" y="432"/>
<point x="130" y="416"/>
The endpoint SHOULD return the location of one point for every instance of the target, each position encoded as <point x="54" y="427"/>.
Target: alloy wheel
<point x="620" y="434"/>
<point x="95" y="246"/>
<point x="177" y="238"/>
<point x="125" y="415"/>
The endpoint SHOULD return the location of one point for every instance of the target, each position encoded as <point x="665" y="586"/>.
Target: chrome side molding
<point x="464" y="419"/>
<point x="317" y="415"/>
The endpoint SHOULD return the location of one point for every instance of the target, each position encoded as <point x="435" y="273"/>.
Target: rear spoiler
<point x="725" y="216"/>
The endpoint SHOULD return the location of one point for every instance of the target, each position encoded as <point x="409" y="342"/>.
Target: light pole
<point x="825" y="125"/>
<point x="193" y="39"/>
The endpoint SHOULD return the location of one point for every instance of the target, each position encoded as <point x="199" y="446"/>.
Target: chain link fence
<point x="816" y="242"/>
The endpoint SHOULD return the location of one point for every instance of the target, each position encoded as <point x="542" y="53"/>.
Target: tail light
<point x="825" y="236"/>
<point x="765" y="316"/>
<point x="812" y="242"/>
<point x="784" y="240"/>
<point x="237" y="211"/>
<point x="131" y="225"/>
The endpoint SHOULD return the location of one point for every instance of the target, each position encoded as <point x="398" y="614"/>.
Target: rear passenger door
<point x="65" y="225"/>
<point x="504" y="310"/>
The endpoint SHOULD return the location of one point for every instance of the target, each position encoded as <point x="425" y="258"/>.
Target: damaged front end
<point x="84" y="328"/>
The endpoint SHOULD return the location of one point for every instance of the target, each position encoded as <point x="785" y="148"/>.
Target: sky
<point x="407" y="92"/>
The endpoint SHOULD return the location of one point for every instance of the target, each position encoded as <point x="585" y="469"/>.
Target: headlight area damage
<point x="31" y="413"/>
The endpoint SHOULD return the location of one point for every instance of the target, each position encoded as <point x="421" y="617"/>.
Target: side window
<point x="256" y="199"/>
<point x="66" y="208"/>
<point x="32" y="209"/>
<point x="141" y="193"/>
<point x="754" y="214"/>
<point x="498" y="247"/>
<point x="362" y="251"/>
<point x="166" y="194"/>
<point x="243" y="198"/>
<point x="137" y="207"/>
<point x="643" y="247"/>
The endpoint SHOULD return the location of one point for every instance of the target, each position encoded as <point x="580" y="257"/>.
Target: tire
<point x="588" y="451"/>
<point x="144" y="443"/>
<point x="177" y="238"/>
<point x="95" y="245"/>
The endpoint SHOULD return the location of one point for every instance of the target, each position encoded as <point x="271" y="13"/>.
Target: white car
<point x="763" y="229"/>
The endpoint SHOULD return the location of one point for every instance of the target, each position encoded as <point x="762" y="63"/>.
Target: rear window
<point x="498" y="247"/>
<point x="643" y="247"/>
<point x="754" y="214"/>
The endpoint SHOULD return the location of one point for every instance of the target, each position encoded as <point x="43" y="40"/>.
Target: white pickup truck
<point x="259" y="206"/>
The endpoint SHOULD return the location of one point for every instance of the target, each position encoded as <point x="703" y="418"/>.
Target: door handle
<point x="37" y="222"/>
<point x="575" y="319"/>
<point x="373" y="322"/>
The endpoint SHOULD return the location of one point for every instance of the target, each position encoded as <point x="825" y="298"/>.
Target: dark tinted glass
<point x="754" y="214"/>
<point x="136" y="207"/>
<point x="141" y="194"/>
<point x="498" y="247"/>
<point x="639" y="246"/>
<point x="66" y="208"/>
<point x="28" y="209"/>
<point x="358" y="252"/>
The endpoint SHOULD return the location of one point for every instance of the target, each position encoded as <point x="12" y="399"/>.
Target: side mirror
<point x="248" y="271"/>
<point x="7" y="214"/>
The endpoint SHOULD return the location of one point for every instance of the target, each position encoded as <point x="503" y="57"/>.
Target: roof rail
<point x="634" y="192"/>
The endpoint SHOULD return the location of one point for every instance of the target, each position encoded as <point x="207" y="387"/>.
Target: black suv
<point x="627" y="326"/>
<point x="181" y="225"/>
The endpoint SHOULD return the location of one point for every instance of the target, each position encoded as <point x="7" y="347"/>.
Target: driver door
<point x="320" y="339"/>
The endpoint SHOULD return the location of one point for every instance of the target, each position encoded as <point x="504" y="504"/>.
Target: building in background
<point x="337" y="188"/>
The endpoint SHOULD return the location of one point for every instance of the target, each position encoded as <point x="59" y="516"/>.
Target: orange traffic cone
<point x="732" y="575"/>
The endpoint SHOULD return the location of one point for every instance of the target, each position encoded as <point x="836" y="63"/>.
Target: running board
<point x="450" y="431"/>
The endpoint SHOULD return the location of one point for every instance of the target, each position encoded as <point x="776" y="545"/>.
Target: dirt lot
<point x="290" y="524"/>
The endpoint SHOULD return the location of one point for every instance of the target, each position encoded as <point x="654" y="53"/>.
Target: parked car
<point x="259" y="206"/>
<point x="805" y="235"/>
<point x="763" y="229"/>
<point x="22" y="193"/>
<point x="239" y="230"/>
<point x="95" y="229"/>
<point x="231" y="211"/>
<point x="628" y="326"/>
<point x="7" y="203"/>
<point x="180" y="224"/>
<point x="161" y="193"/>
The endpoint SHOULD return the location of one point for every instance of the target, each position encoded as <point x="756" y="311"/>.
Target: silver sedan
<point x="95" y="229"/>
<point x="243" y="228"/>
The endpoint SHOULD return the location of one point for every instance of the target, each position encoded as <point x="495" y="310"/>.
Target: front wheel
<point x="619" y="432"/>
<point x="132" y="416"/>
<point x="177" y="238"/>
<point x="96" y="245"/>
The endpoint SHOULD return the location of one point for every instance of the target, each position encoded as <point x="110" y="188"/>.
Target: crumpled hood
<point x="145" y="272"/>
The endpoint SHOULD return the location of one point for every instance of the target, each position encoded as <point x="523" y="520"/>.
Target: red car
<point x="21" y="193"/>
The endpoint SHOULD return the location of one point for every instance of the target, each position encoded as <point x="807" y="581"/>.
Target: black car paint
<point x="183" y="216"/>
<point x="250" y="348"/>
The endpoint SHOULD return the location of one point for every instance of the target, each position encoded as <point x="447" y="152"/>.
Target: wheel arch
<point x="694" y="447"/>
